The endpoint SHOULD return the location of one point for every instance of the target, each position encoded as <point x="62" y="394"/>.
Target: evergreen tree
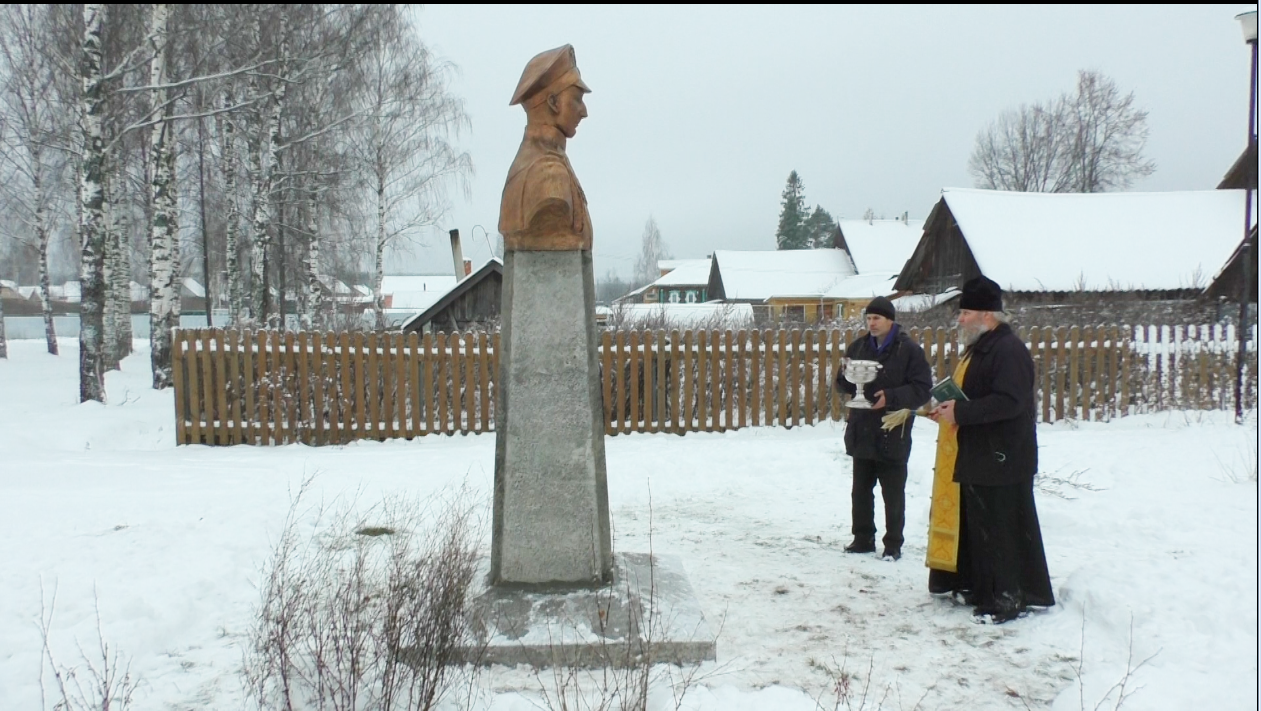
<point x="791" y="233"/>
<point x="820" y="228"/>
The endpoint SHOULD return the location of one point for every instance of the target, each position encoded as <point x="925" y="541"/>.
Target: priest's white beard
<point x="969" y="335"/>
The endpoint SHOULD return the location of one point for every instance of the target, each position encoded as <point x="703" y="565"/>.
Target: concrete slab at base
<point x="649" y="613"/>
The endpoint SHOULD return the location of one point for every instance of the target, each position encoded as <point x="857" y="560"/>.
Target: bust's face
<point x="569" y="110"/>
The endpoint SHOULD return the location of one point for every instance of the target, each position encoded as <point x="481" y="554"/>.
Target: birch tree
<point x="30" y="115"/>
<point x="164" y="294"/>
<point x="406" y="145"/>
<point x="652" y="249"/>
<point x="92" y="213"/>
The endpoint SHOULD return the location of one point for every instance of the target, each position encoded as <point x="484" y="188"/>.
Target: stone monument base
<point x="648" y="614"/>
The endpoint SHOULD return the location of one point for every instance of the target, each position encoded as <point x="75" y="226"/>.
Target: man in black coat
<point x="1001" y="562"/>
<point x="902" y="382"/>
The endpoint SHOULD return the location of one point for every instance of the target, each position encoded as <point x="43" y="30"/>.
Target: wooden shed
<point x="473" y="302"/>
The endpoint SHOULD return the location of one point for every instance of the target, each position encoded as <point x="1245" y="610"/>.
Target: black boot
<point x="862" y="545"/>
<point x="891" y="553"/>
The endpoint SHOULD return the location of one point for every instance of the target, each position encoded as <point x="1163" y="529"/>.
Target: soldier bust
<point x="543" y="207"/>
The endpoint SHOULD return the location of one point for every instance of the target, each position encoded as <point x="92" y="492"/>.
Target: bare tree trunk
<point x="227" y="137"/>
<point x="120" y="228"/>
<point x="259" y="238"/>
<point x="378" y="269"/>
<point x="164" y="304"/>
<point x="109" y="354"/>
<point x="314" y="307"/>
<point x="205" y="230"/>
<point x="4" y="344"/>
<point x="92" y="214"/>
<point x="41" y="237"/>
<point x="282" y="281"/>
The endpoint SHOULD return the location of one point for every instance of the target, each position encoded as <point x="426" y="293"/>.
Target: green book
<point x="947" y="390"/>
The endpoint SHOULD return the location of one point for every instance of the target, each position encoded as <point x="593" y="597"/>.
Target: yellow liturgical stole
<point x="943" y="515"/>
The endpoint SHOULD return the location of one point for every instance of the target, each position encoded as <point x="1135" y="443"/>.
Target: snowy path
<point x="171" y="539"/>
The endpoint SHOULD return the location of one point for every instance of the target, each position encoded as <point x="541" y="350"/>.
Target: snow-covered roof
<point x="8" y="284"/>
<point x="335" y="286"/>
<point x="863" y="286"/>
<point x="687" y="272"/>
<point x="70" y="292"/>
<point x="635" y="294"/>
<point x="881" y="245"/>
<point x="1098" y="241"/>
<point x="913" y="303"/>
<point x="414" y="301"/>
<point x="193" y="287"/>
<point x="782" y="273"/>
<point x="138" y="292"/>
<point x="686" y="315"/>
<point x="28" y="292"/>
<point x="416" y="293"/>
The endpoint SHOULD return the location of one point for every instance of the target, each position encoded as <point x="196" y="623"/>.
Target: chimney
<point x="468" y="267"/>
<point x="457" y="255"/>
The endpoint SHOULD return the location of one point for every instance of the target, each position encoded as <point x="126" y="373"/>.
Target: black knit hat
<point x="882" y="307"/>
<point x="981" y="294"/>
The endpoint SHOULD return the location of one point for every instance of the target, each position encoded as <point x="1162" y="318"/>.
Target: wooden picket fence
<point x="265" y="387"/>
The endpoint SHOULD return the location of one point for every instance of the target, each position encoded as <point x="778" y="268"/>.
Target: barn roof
<point x="1098" y="241"/>
<point x="492" y="266"/>
<point x="881" y="245"/>
<point x="757" y="276"/>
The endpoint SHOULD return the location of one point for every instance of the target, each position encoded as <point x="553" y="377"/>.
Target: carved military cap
<point x="548" y="73"/>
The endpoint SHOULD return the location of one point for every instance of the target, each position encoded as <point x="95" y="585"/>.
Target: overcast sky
<point x="699" y="113"/>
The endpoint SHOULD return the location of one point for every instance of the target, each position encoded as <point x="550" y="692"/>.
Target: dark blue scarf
<point x="888" y="340"/>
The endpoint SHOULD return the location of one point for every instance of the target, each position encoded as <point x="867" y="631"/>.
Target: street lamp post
<point x="1248" y="22"/>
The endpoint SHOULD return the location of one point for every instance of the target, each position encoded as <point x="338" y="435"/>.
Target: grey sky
<point x="699" y="113"/>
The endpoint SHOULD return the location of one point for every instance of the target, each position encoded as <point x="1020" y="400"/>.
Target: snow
<point x="1099" y="241"/>
<point x="758" y="276"/>
<point x="881" y="245"/>
<point x="687" y="315"/>
<point x="685" y="272"/>
<point x="193" y="287"/>
<point x="863" y="286"/>
<point x="913" y="303"/>
<point x="1157" y="529"/>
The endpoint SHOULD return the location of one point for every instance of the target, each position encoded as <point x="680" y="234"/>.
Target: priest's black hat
<point x="981" y="294"/>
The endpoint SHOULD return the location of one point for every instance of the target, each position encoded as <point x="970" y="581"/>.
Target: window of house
<point x="795" y="313"/>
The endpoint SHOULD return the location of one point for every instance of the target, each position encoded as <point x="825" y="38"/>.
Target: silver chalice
<point x="860" y="372"/>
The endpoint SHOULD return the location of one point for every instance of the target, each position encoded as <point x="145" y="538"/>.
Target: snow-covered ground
<point x="1158" y="534"/>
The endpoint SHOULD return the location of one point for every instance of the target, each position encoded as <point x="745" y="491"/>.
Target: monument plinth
<point x="552" y="569"/>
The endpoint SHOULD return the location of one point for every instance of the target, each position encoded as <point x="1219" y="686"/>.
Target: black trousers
<point x="892" y="478"/>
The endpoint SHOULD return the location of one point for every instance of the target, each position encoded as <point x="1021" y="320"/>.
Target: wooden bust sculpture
<point x="543" y="207"/>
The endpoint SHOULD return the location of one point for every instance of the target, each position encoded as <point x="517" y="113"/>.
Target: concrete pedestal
<point x="647" y="614"/>
<point x="551" y="515"/>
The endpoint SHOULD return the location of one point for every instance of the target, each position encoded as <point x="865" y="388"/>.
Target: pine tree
<point x="791" y="233"/>
<point x="820" y="227"/>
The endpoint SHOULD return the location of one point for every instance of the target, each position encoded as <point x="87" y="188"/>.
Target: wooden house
<point x="472" y="303"/>
<point x="1089" y="257"/>
<point x="788" y="285"/>
<point x="682" y="281"/>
